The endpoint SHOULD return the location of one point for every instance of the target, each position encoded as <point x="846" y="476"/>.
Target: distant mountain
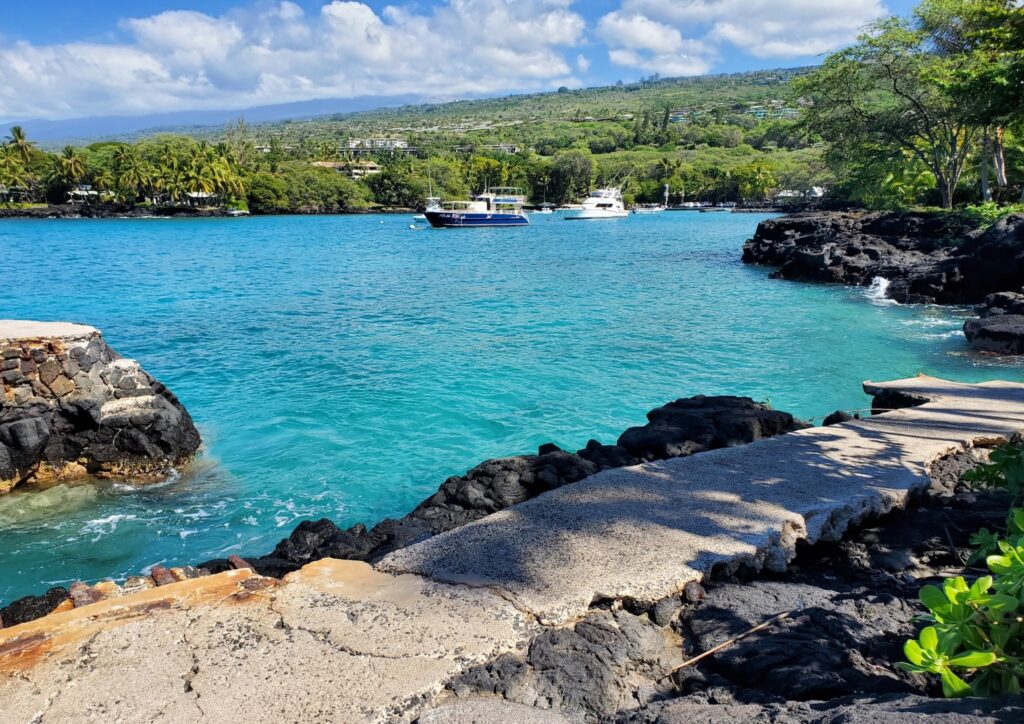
<point x="51" y="133"/>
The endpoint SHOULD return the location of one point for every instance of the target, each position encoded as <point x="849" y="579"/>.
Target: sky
<point x="64" y="59"/>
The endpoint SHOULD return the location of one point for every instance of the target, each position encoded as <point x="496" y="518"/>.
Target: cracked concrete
<point x="343" y="641"/>
<point x="337" y="641"/>
<point x="643" y="532"/>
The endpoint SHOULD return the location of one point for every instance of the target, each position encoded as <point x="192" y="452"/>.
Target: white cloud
<point x="637" y="41"/>
<point x="765" y="28"/>
<point x="180" y="60"/>
<point x="582" y="63"/>
<point x="639" y="33"/>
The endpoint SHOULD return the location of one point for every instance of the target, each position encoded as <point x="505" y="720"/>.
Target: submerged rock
<point x="70" y="406"/>
<point x="928" y="258"/>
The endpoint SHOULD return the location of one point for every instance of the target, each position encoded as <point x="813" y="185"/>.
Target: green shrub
<point x="977" y="630"/>
<point x="990" y="212"/>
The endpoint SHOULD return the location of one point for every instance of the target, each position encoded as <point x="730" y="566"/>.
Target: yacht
<point x="495" y="207"/>
<point x="601" y="204"/>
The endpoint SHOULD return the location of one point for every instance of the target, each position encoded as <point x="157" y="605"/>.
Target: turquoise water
<point x="345" y="366"/>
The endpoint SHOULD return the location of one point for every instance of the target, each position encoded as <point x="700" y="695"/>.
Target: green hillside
<point x="714" y="138"/>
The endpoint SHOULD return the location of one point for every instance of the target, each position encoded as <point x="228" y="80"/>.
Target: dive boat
<point x="601" y="204"/>
<point x="497" y="207"/>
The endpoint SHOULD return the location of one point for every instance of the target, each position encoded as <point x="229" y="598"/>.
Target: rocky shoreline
<point x="678" y="429"/>
<point x="852" y="603"/>
<point x="71" y="407"/>
<point x="925" y="258"/>
<point x="124" y="211"/>
<point x="438" y="651"/>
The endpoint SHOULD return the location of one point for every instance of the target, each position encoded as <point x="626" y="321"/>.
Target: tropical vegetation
<point x="922" y="111"/>
<point x="974" y="641"/>
<point x="925" y="109"/>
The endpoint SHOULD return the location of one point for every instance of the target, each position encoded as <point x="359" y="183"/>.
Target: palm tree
<point x="103" y="180"/>
<point x="12" y="170"/>
<point x="20" y="143"/>
<point x="134" y="176"/>
<point x="69" y="167"/>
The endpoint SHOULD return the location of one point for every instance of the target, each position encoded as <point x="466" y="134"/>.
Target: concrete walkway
<point x="643" y="532"/>
<point x="340" y="641"/>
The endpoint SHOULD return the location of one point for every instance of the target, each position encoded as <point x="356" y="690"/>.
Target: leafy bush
<point x="976" y="630"/>
<point x="990" y="212"/>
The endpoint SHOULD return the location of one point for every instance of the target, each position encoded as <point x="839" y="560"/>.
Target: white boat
<point x="648" y="209"/>
<point x="601" y="204"/>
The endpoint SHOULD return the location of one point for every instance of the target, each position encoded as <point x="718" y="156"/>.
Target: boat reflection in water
<point x="496" y="207"/>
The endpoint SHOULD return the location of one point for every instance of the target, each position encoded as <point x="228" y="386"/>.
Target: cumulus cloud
<point x="686" y="37"/>
<point x="636" y="40"/>
<point x="279" y="53"/>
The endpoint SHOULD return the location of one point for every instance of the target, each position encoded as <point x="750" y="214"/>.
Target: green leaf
<point x="981" y="586"/>
<point x="913" y="652"/>
<point x="973" y="659"/>
<point x="953" y="685"/>
<point x="933" y="598"/>
<point x="1002" y="603"/>
<point x="929" y="639"/>
<point x="1016" y="521"/>
<point x="999" y="564"/>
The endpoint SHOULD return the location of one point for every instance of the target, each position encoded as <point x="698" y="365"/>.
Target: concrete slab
<point x="337" y="641"/>
<point x="643" y="532"/>
<point x="18" y="329"/>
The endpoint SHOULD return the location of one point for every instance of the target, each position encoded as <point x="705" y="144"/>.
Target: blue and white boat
<point x="496" y="207"/>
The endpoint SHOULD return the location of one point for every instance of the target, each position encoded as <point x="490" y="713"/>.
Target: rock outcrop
<point x="680" y="428"/>
<point x="928" y="258"/>
<point x="1000" y="330"/>
<point x="70" y="406"/>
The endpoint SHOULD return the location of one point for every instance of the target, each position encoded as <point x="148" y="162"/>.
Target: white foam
<point x="878" y="291"/>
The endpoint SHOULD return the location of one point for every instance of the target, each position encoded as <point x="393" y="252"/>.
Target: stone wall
<point x="70" y="406"/>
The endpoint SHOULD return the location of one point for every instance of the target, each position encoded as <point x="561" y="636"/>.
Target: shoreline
<point x="73" y="212"/>
<point x="554" y="629"/>
<point x="679" y="429"/>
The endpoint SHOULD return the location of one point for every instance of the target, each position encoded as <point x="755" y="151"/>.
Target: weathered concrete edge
<point x="16" y="330"/>
<point x="772" y="550"/>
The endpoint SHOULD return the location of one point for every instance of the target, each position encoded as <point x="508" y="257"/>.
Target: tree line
<point x="926" y="109"/>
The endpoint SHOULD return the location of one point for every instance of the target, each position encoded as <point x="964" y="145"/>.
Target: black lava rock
<point x="32" y="607"/>
<point x="928" y="258"/>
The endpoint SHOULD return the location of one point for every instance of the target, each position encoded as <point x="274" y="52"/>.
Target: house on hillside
<point x="352" y="169"/>
<point x="367" y="146"/>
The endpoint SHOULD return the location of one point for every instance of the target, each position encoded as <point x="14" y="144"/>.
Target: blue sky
<point x="68" y="58"/>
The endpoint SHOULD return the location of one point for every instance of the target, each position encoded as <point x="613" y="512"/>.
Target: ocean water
<point x="343" y="367"/>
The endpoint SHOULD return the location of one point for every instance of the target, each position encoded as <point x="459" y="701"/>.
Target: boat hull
<point x="594" y="214"/>
<point x="468" y="220"/>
